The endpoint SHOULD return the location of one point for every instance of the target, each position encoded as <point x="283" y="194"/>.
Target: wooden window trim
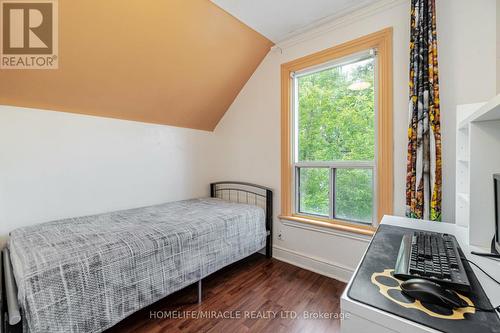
<point x="382" y="41"/>
<point x="340" y="225"/>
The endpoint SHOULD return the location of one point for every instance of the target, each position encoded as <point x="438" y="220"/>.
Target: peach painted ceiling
<point x="173" y="62"/>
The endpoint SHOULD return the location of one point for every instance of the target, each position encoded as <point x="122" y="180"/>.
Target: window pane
<point x="336" y="119"/>
<point x="314" y="191"/>
<point x="354" y="194"/>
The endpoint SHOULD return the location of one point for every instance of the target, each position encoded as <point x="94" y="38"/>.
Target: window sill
<point x="333" y="224"/>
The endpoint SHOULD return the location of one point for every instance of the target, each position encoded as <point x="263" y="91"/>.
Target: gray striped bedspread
<point x="86" y="274"/>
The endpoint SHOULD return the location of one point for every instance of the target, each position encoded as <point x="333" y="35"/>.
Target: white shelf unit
<point x="489" y="111"/>
<point x="477" y="159"/>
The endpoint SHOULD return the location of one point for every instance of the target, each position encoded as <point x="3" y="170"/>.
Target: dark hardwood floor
<point x="236" y="296"/>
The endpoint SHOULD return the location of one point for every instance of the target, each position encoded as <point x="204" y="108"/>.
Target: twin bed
<point x="86" y="274"/>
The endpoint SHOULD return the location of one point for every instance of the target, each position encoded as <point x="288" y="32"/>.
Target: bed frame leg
<point x="269" y="247"/>
<point x="199" y="292"/>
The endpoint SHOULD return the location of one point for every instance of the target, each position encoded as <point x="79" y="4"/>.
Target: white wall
<point x="248" y="137"/>
<point x="484" y="162"/>
<point x="55" y="165"/>
<point x="498" y="47"/>
<point x="467" y="65"/>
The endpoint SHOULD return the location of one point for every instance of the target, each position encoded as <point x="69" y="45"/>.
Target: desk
<point x="364" y="318"/>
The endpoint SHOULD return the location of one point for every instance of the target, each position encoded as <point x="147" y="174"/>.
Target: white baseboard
<point x="317" y="265"/>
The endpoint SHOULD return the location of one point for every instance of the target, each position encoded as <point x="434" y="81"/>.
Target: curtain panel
<point x="423" y="180"/>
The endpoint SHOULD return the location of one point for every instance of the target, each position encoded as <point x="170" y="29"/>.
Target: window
<point x="334" y="132"/>
<point x="337" y="135"/>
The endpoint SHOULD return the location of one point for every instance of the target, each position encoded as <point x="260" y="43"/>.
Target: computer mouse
<point x="430" y="292"/>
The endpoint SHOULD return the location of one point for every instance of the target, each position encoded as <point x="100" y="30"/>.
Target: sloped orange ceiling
<point x="174" y="62"/>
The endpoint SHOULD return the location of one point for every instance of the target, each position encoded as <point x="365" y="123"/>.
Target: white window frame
<point x="333" y="165"/>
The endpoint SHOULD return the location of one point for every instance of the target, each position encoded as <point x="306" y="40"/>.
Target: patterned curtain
<point x="423" y="179"/>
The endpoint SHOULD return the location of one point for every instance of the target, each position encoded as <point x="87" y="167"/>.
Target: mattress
<point x="86" y="274"/>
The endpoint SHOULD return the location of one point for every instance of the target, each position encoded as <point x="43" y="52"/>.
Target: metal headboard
<point x="252" y="194"/>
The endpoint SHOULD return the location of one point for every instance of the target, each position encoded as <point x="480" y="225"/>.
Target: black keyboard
<point x="432" y="256"/>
